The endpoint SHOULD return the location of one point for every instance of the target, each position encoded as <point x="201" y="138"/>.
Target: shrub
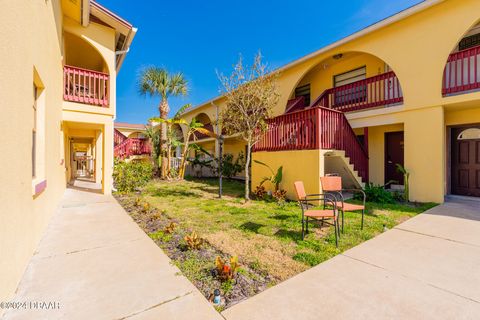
<point x="231" y="168"/>
<point x="129" y="176"/>
<point x="376" y="193"/>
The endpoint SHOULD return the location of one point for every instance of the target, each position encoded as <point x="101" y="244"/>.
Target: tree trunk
<point x="183" y="164"/>
<point x="247" y="173"/>
<point x="163" y="108"/>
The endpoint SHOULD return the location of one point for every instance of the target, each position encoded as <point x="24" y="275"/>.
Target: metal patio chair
<point x="333" y="185"/>
<point x="307" y="202"/>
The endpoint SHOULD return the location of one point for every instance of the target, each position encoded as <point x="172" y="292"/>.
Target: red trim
<point x="111" y="14"/>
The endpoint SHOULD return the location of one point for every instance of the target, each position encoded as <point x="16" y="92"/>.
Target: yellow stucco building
<point x="402" y="91"/>
<point x="59" y="63"/>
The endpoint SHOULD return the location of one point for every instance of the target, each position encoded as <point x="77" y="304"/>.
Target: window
<point x="350" y="95"/>
<point x="303" y="91"/>
<point x="469" y="134"/>
<point x="38" y="135"/>
<point x="469" y="42"/>
<point x="34" y="131"/>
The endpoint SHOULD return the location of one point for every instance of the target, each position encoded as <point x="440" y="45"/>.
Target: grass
<point x="264" y="235"/>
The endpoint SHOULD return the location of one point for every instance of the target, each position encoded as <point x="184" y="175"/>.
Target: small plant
<point x="280" y="195"/>
<point x="138" y="201"/>
<point x="276" y="177"/>
<point x="260" y="192"/>
<point x="170" y="228"/>
<point x="194" y="242"/>
<point x="226" y="271"/>
<point x="406" y="175"/>
<point x="145" y="207"/>
<point x="376" y="193"/>
<point x="227" y="286"/>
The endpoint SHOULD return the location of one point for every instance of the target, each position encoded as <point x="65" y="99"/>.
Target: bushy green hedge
<point x="129" y="176"/>
<point x="377" y="193"/>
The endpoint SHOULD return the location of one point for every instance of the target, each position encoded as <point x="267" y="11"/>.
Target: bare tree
<point x="251" y="93"/>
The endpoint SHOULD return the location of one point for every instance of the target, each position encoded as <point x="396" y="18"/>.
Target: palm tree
<point x="156" y="81"/>
<point x="190" y="129"/>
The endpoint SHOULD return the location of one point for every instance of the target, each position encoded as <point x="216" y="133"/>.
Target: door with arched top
<point x="466" y="161"/>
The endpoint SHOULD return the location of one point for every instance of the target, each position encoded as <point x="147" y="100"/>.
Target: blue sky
<point x="200" y="37"/>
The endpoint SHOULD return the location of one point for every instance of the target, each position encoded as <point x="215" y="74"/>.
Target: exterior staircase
<point x="125" y="148"/>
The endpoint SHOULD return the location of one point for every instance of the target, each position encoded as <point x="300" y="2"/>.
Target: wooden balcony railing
<point x="315" y="128"/>
<point x="132" y="147"/>
<point x="380" y="90"/>
<point x="462" y="72"/>
<point x="85" y="86"/>
<point x="118" y="137"/>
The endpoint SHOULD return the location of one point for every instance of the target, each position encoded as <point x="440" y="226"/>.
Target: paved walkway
<point x="98" y="264"/>
<point x="425" y="268"/>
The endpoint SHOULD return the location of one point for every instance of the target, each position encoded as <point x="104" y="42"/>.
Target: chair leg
<point x="303" y="229"/>
<point x="363" y="213"/>
<point x="307" y="226"/>
<point x="337" y="231"/>
<point x="343" y="219"/>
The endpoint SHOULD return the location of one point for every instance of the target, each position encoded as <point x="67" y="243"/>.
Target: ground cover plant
<point x="262" y="237"/>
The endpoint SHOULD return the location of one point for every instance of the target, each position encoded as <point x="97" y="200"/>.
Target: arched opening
<point x="138" y="135"/>
<point x="178" y="135"/>
<point x="462" y="70"/>
<point x="204" y="119"/>
<point x="346" y="82"/>
<point x="85" y="73"/>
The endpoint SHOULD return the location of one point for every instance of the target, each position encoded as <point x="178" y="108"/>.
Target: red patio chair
<point x="333" y="184"/>
<point x="306" y="202"/>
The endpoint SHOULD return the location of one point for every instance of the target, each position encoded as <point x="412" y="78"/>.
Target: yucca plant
<point x="406" y="176"/>
<point x="276" y="177"/>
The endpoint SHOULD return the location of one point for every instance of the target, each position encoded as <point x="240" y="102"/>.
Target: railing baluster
<point x="85" y="86"/>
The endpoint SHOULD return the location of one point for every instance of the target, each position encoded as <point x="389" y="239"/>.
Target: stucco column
<point x="108" y="157"/>
<point x="98" y="156"/>
<point x="425" y="153"/>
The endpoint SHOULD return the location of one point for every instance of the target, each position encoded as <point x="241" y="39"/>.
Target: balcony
<point x="380" y="90"/>
<point x="86" y="86"/>
<point x="462" y="72"/>
<point x="314" y="128"/>
<point x="132" y="147"/>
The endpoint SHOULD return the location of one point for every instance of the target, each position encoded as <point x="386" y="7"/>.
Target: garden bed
<point x="265" y="236"/>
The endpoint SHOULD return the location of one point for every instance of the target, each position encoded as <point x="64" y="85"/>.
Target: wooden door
<point x="394" y="150"/>
<point x="465" y="161"/>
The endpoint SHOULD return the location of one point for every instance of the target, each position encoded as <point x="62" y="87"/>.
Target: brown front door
<point x="466" y="161"/>
<point x="393" y="155"/>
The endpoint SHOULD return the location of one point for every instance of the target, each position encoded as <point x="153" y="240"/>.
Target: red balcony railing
<point x="380" y="90"/>
<point x="315" y="128"/>
<point x="131" y="147"/>
<point x="462" y="72"/>
<point x="85" y="86"/>
<point x="118" y="137"/>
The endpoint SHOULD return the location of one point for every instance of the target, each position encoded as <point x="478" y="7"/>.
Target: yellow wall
<point x="30" y="37"/>
<point x="321" y="76"/>
<point x="376" y="151"/>
<point x="33" y="51"/>
<point x="297" y="166"/>
<point x="416" y="48"/>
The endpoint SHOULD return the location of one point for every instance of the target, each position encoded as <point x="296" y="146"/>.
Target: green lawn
<point x="264" y="235"/>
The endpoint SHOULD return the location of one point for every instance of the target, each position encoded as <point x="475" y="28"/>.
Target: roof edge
<point x="425" y="4"/>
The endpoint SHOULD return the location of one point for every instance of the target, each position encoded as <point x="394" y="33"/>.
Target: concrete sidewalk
<point x="426" y="268"/>
<point x="98" y="264"/>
